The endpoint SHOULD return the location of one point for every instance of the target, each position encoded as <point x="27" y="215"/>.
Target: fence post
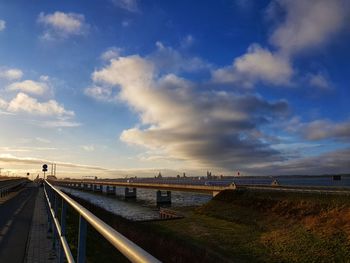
<point x="82" y="240"/>
<point x="63" y="227"/>
<point x="54" y="231"/>
<point x="48" y="192"/>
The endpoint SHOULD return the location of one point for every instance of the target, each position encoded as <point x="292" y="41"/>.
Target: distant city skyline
<point x="130" y="87"/>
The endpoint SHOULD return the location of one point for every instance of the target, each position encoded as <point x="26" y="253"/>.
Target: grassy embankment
<point x="242" y="226"/>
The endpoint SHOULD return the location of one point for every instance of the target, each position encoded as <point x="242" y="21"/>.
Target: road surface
<point x="15" y="221"/>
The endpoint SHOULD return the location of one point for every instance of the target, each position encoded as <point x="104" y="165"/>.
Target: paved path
<point x="15" y="221"/>
<point x="39" y="248"/>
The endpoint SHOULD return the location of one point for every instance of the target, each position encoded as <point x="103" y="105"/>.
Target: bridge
<point x="9" y="184"/>
<point x="163" y="187"/>
<point x="161" y="197"/>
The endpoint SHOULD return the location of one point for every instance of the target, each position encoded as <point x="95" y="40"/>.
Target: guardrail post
<point x="48" y="192"/>
<point x="54" y="231"/>
<point x="82" y="240"/>
<point x="63" y="228"/>
<point x="63" y="218"/>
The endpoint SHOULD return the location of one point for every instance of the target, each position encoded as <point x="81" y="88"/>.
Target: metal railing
<point x="9" y="186"/>
<point x="129" y="249"/>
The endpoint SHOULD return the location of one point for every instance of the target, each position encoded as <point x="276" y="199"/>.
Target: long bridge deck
<point x="202" y="187"/>
<point x="157" y="186"/>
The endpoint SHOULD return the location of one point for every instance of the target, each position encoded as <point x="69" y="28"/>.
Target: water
<point x="144" y="208"/>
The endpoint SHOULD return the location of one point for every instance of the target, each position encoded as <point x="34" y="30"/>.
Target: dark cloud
<point x="325" y="129"/>
<point x="334" y="162"/>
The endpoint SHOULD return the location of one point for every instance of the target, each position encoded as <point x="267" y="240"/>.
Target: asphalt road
<point x="15" y="221"/>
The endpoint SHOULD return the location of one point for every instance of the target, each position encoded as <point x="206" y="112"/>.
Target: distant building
<point x="51" y="177"/>
<point x="209" y="176"/>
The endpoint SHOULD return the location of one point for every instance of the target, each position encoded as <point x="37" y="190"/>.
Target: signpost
<point x="44" y="169"/>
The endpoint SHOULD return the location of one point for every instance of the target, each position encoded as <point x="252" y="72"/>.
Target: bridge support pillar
<point x="215" y="193"/>
<point x="88" y="187"/>
<point x="130" y="194"/>
<point x="232" y="186"/>
<point x="275" y="183"/>
<point x="110" y="190"/>
<point x="97" y="188"/>
<point x="163" y="197"/>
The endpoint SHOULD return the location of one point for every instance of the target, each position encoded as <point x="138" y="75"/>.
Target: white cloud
<point x="308" y="23"/>
<point x="101" y="93"/>
<point x="110" y="53"/>
<point x="30" y="86"/>
<point x="3" y="104"/>
<point x="168" y="59"/>
<point x="26" y="149"/>
<point x="205" y="128"/>
<point x="9" y="158"/>
<point x="42" y="140"/>
<point x="59" y="124"/>
<point x="11" y="74"/>
<point x="129" y="5"/>
<point x="88" y="148"/>
<point x="2" y="25"/>
<point x="187" y="41"/>
<point x="257" y="65"/>
<point x="125" y="23"/>
<point x="320" y="81"/>
<point x="60" y="25"/>
<point x="26" y="104"/>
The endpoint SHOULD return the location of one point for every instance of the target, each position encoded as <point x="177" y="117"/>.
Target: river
<point x="141" y="209"/>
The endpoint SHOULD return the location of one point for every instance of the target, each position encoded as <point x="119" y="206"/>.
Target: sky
<point x="116" y="88"/>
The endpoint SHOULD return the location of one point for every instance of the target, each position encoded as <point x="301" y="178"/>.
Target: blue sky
<point x="131" y="87"/>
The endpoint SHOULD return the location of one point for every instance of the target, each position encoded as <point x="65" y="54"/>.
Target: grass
<point x="246" y="226"/>
<point x="236" y="226"/>
<point x="97" y="248"/>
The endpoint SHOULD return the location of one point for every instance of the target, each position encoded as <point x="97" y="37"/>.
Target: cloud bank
<point x="204" y="128"/>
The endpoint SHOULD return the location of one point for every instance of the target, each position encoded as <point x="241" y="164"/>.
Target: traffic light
<point x="45" y="168"/>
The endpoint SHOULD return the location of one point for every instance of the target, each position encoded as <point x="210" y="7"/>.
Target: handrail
<point x="10" y="183"/>
<point x="5" y="188"/>
<point x="129" y="249"/>
<point x="62" y="237"/>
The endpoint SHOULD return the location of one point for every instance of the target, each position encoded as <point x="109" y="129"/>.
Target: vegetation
<point x="239" y="226"/>
<point x="247" y="226"/>
<point x="97" y="248"/>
